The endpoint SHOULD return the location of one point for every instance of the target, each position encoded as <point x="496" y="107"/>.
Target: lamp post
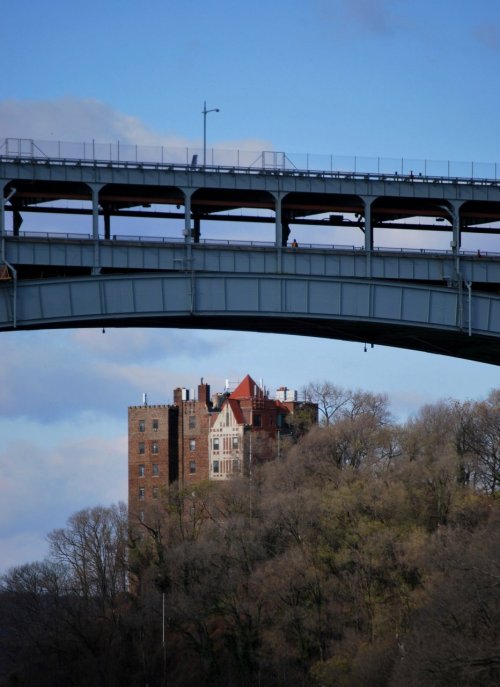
<point x="205" y="112"/>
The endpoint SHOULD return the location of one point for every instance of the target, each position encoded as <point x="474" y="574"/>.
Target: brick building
<point x="199" y="437"/>
<point x="167" y="444"/>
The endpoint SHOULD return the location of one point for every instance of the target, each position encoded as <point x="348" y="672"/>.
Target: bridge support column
<point x="3" y="200"/>
<point x="2" y="211"/>
<point x="278" y="226"/>
<point x="196" y="227"/>
<point x="188" y="236"/>
<point x="95" y="188"/>
<point x="367" y="202"/>
<point x="107" y="225"/>
<point x="455" y="245"/>
<point x="456" y="241"/>
<point x="4" y="264"/>
<point x="281" y="230"/>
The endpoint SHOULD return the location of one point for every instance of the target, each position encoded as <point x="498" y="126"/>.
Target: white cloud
<point x="74" y="119"/>
<point x="81" y="120"/>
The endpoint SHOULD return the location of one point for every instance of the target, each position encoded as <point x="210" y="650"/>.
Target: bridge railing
<point x="180" y="241"/>
<point x="230" y="160"/>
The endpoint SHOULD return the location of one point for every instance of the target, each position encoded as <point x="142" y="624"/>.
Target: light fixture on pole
<point x="205" y="112"/>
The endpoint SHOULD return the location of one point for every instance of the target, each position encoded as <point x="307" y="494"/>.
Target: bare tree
<point x="331" y="399"/>
<point x="478" y="442"/>
<point x="93" y="550"/>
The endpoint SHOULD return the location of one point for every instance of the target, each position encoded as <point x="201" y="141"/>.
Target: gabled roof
<point x="247" y="389"/>
<point x="235" y="407"/>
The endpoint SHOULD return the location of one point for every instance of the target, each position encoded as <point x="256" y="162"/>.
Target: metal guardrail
<point x="180" y="241"/>
<point x="244" y="161"/>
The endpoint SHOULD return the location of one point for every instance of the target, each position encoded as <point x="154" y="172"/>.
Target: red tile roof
<point x="247" y="389"/>
<point x="235" y="407"/>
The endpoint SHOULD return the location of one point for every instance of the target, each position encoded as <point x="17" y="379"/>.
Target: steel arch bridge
<point x="444" y="302"/>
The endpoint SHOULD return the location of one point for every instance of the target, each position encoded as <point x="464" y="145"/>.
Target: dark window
<point x="235" y="442"/>
<point x="216" y="466"/>
<point x="155" y="425"/>
<point x="216" y="444"/>
<point x="192" y="467"/>
<point x="141" y="493"/>
<point x="142" y="426"/>
<point x="156" y="469"/>
<point x="192" y="421"/>
<point x="141" y="471"/>
<point x="257" y="421"/>
<point x="141" y="447"/>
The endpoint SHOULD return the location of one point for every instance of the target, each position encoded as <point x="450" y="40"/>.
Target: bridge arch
<point x="370" y="311"/>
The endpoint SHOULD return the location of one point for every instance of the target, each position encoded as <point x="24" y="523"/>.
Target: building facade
<point x="152" y="454"/>
<point x="199" y="437"/>
<point x="247" y="414"/>
<point x="167" y="444"/>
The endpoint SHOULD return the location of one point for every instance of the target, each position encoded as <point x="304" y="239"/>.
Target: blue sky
<point x="389" y="78"/>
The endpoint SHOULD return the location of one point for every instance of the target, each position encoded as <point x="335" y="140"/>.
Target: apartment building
<point x="200" y="437"/>
<point x="167" y="444"/>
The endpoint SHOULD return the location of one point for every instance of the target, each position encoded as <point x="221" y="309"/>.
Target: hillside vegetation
<point x="368" y="555"/>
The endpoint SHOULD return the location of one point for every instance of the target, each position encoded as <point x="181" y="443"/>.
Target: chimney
<point x="204" y="393"/>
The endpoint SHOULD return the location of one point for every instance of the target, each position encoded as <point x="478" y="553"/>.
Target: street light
<point x="205" y="112"/>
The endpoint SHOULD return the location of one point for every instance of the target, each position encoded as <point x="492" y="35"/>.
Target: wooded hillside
<point x="367" y="556"/>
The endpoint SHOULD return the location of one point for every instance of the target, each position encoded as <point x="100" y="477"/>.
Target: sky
<point x="372" y="78"/>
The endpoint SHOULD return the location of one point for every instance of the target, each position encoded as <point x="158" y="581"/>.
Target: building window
<point x="141" y="448"/>
<point x="154" y="447"/>
<point x="192" y="444"/>
<point x="236" y="465"/>
<point x="142" y="426"/>
<point x="215" y="443"/>
<point x="141" y="493"/>
<point x="216" y="466"/>
<point x="236" y="442"/>
<point x="141" y="471"/>
<point x="257" y="421"/>
<point x="192" y="467"/>
<point x="156" y="469"/>
<point x="156" y="492"/>
<point x="141" y="515"/>
<point x="155" y="425"/>
<point x="192" y="421"/>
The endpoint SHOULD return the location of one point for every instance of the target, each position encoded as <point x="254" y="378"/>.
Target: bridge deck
<point x="446" y="302"/>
